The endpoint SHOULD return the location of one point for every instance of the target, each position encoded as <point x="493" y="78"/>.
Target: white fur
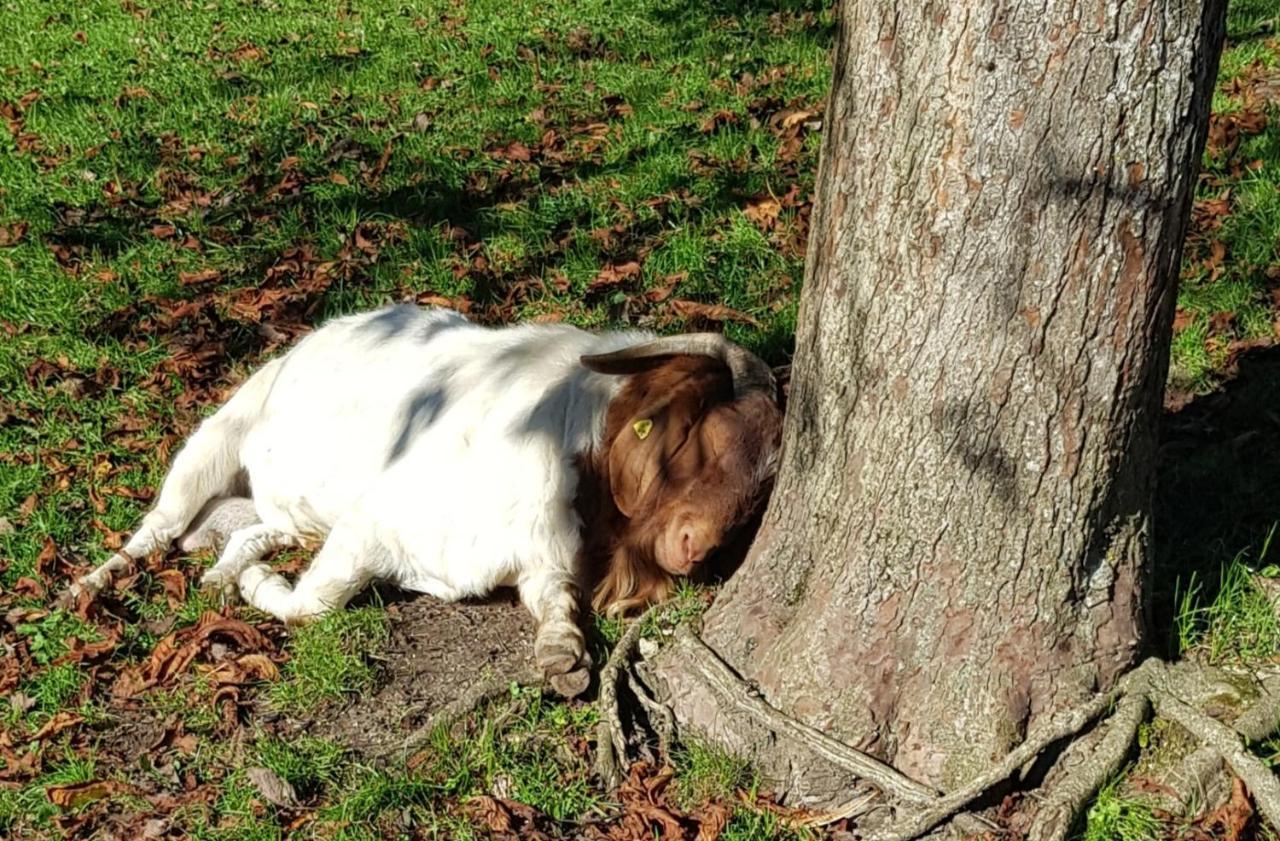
<point x="422" y="449"/>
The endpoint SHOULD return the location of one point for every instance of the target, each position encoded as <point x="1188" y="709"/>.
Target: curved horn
<point x="749" y="371"/>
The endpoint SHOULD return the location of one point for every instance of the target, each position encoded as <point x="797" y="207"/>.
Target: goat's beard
<point x="631" y="581"/>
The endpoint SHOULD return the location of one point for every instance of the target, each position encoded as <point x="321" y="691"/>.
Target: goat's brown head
<point x="690" y="451"/>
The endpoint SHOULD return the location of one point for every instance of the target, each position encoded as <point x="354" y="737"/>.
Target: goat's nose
<point x="688" y="544"/>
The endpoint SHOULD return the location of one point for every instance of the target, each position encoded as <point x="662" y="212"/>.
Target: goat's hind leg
<point x="206" y="467"/>
<point x="343" y="567"/>
<point x="244" y="547"/>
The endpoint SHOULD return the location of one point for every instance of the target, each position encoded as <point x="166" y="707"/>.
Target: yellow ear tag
<point x="642" y="428"/>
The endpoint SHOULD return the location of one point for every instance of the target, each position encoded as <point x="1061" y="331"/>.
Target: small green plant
<point x="1115" y="817"/>
<point x="519" y="746"/>
<point x="47" y="637"/>
<point x="306" y="763"/>
<point x="1239" y="624"/>
<point x="332" y="657"/>
<point x="749" y="825"/>
<point x="707" y="772"/>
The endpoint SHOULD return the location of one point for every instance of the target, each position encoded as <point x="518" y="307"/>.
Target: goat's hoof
<point x="70" y="597"/>
<point x="571" y="684"/>
<point x="558" y="655"/>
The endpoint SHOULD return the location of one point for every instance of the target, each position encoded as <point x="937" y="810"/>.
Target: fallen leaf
<point x="763" y="212"/>
<point x="202" y="276"/>
<point x="59" y="722"/>
<point x="274" y="790"/>
<point x="490" y="811"/>
<point x="71" y="796"/>
<point x="612" y="275"/>
<point x="12" y="234"/>
<point x="711" y="312"/>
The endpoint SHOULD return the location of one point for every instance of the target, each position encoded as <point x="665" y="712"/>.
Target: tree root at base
<point x="920" y="808"/>
<point x="611" y="739"/>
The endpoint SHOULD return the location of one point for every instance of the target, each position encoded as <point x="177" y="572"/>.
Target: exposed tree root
<point x="1262" y="783"/>
<point x="1069" y="795"/>
<point x="734" y="690"/>
<point x="611" y="739"/>
<point x="1152" y="685"/>
<point x="474" y="697"/>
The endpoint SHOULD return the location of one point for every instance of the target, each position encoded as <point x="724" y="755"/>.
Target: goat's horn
<point x="749" y="371"/>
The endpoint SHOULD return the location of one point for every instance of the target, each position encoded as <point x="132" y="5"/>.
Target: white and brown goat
<point x="450" y="459"/>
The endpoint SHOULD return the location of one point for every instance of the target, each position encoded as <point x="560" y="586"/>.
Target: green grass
<point x="1117" y="817"/>
<point x="1225" y="300"/>
<point x="332" y="657"/>
<point x="707" y="772"/>
<point x="306" y="763"/>
<point x="521" y="752"/>
<point x="148" y="142"/>
<point x="1240" y="623"/>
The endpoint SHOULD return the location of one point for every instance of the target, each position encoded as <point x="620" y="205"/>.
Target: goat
<point x="450" y="458"/>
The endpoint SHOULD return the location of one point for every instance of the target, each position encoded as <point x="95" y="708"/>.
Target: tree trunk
<point x="958" y="537"/>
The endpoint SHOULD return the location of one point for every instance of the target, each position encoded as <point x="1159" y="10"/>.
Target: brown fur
<point x="705" y="461"/>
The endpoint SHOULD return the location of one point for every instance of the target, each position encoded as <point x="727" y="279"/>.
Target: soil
<point x="436" y="652"/>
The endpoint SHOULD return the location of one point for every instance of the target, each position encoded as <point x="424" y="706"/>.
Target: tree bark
<point x="958" y="537"/>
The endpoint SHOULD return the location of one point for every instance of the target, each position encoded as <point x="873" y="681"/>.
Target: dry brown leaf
<point x="274" y="789"/>
<point x="712" y="820"/>
<point x="12" y="234"/>
<point x="60" y="721"/>
<point x="763" y="212"/>
<point x="613" y="275"/>
<point x="202" y="276"/>
<point x="71" y="796"/>
<point x="490" y="811"/>
<point x="711" y="312"/>
<point x="258" y="667"/>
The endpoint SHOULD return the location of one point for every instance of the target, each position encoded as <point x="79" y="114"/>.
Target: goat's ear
<point x="636" y="461"/>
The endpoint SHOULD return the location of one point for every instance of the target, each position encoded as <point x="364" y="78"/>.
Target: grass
<point x="1117" y="817"/>
<point x="332" y="657"/>
<point x="181" y="184"/>
<point x="1240" y="623"/>
<point x="706" y="772"/>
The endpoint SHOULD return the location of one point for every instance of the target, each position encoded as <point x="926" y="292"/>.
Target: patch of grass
<point x="706" y="772"/>
<point x="1116" y="817"/>
<point x="191" y="703"/>
<point x="48" y="691"/>
<point x="236" y="815"/>
<point x="28" y="809"/>
<point x="48" y="637"/>
<point x="750" y="825"/>
<point x="305" y="762"/>
<point x="522" y="749"/>
<point x="1239" y="623"/>
<point x="331" y="657"/>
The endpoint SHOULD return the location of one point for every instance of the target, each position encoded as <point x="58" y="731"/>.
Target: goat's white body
<point x="422" y="449"/>
<point x="446" y="449"/>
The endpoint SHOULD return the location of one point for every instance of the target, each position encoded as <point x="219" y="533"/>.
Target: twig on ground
<point x="1059" y="810"/>
<point x="611" y="740"/>
<point x="735" y="690"/>
<point x="476" y="696"/>
<point x="1262" y="783"/>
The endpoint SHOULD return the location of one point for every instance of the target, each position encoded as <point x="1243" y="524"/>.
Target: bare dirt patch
<point x="436" y="652"/>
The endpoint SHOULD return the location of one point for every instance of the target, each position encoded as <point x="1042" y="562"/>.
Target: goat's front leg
<point x="553" y="597"/>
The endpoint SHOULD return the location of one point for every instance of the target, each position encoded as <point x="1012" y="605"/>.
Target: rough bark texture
<point x="957" y="540"/>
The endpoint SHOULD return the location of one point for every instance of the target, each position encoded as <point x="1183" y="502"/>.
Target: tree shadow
<point x="1218" y="489"/>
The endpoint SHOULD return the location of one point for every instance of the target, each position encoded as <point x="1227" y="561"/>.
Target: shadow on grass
<point x="1219" y="483"/>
